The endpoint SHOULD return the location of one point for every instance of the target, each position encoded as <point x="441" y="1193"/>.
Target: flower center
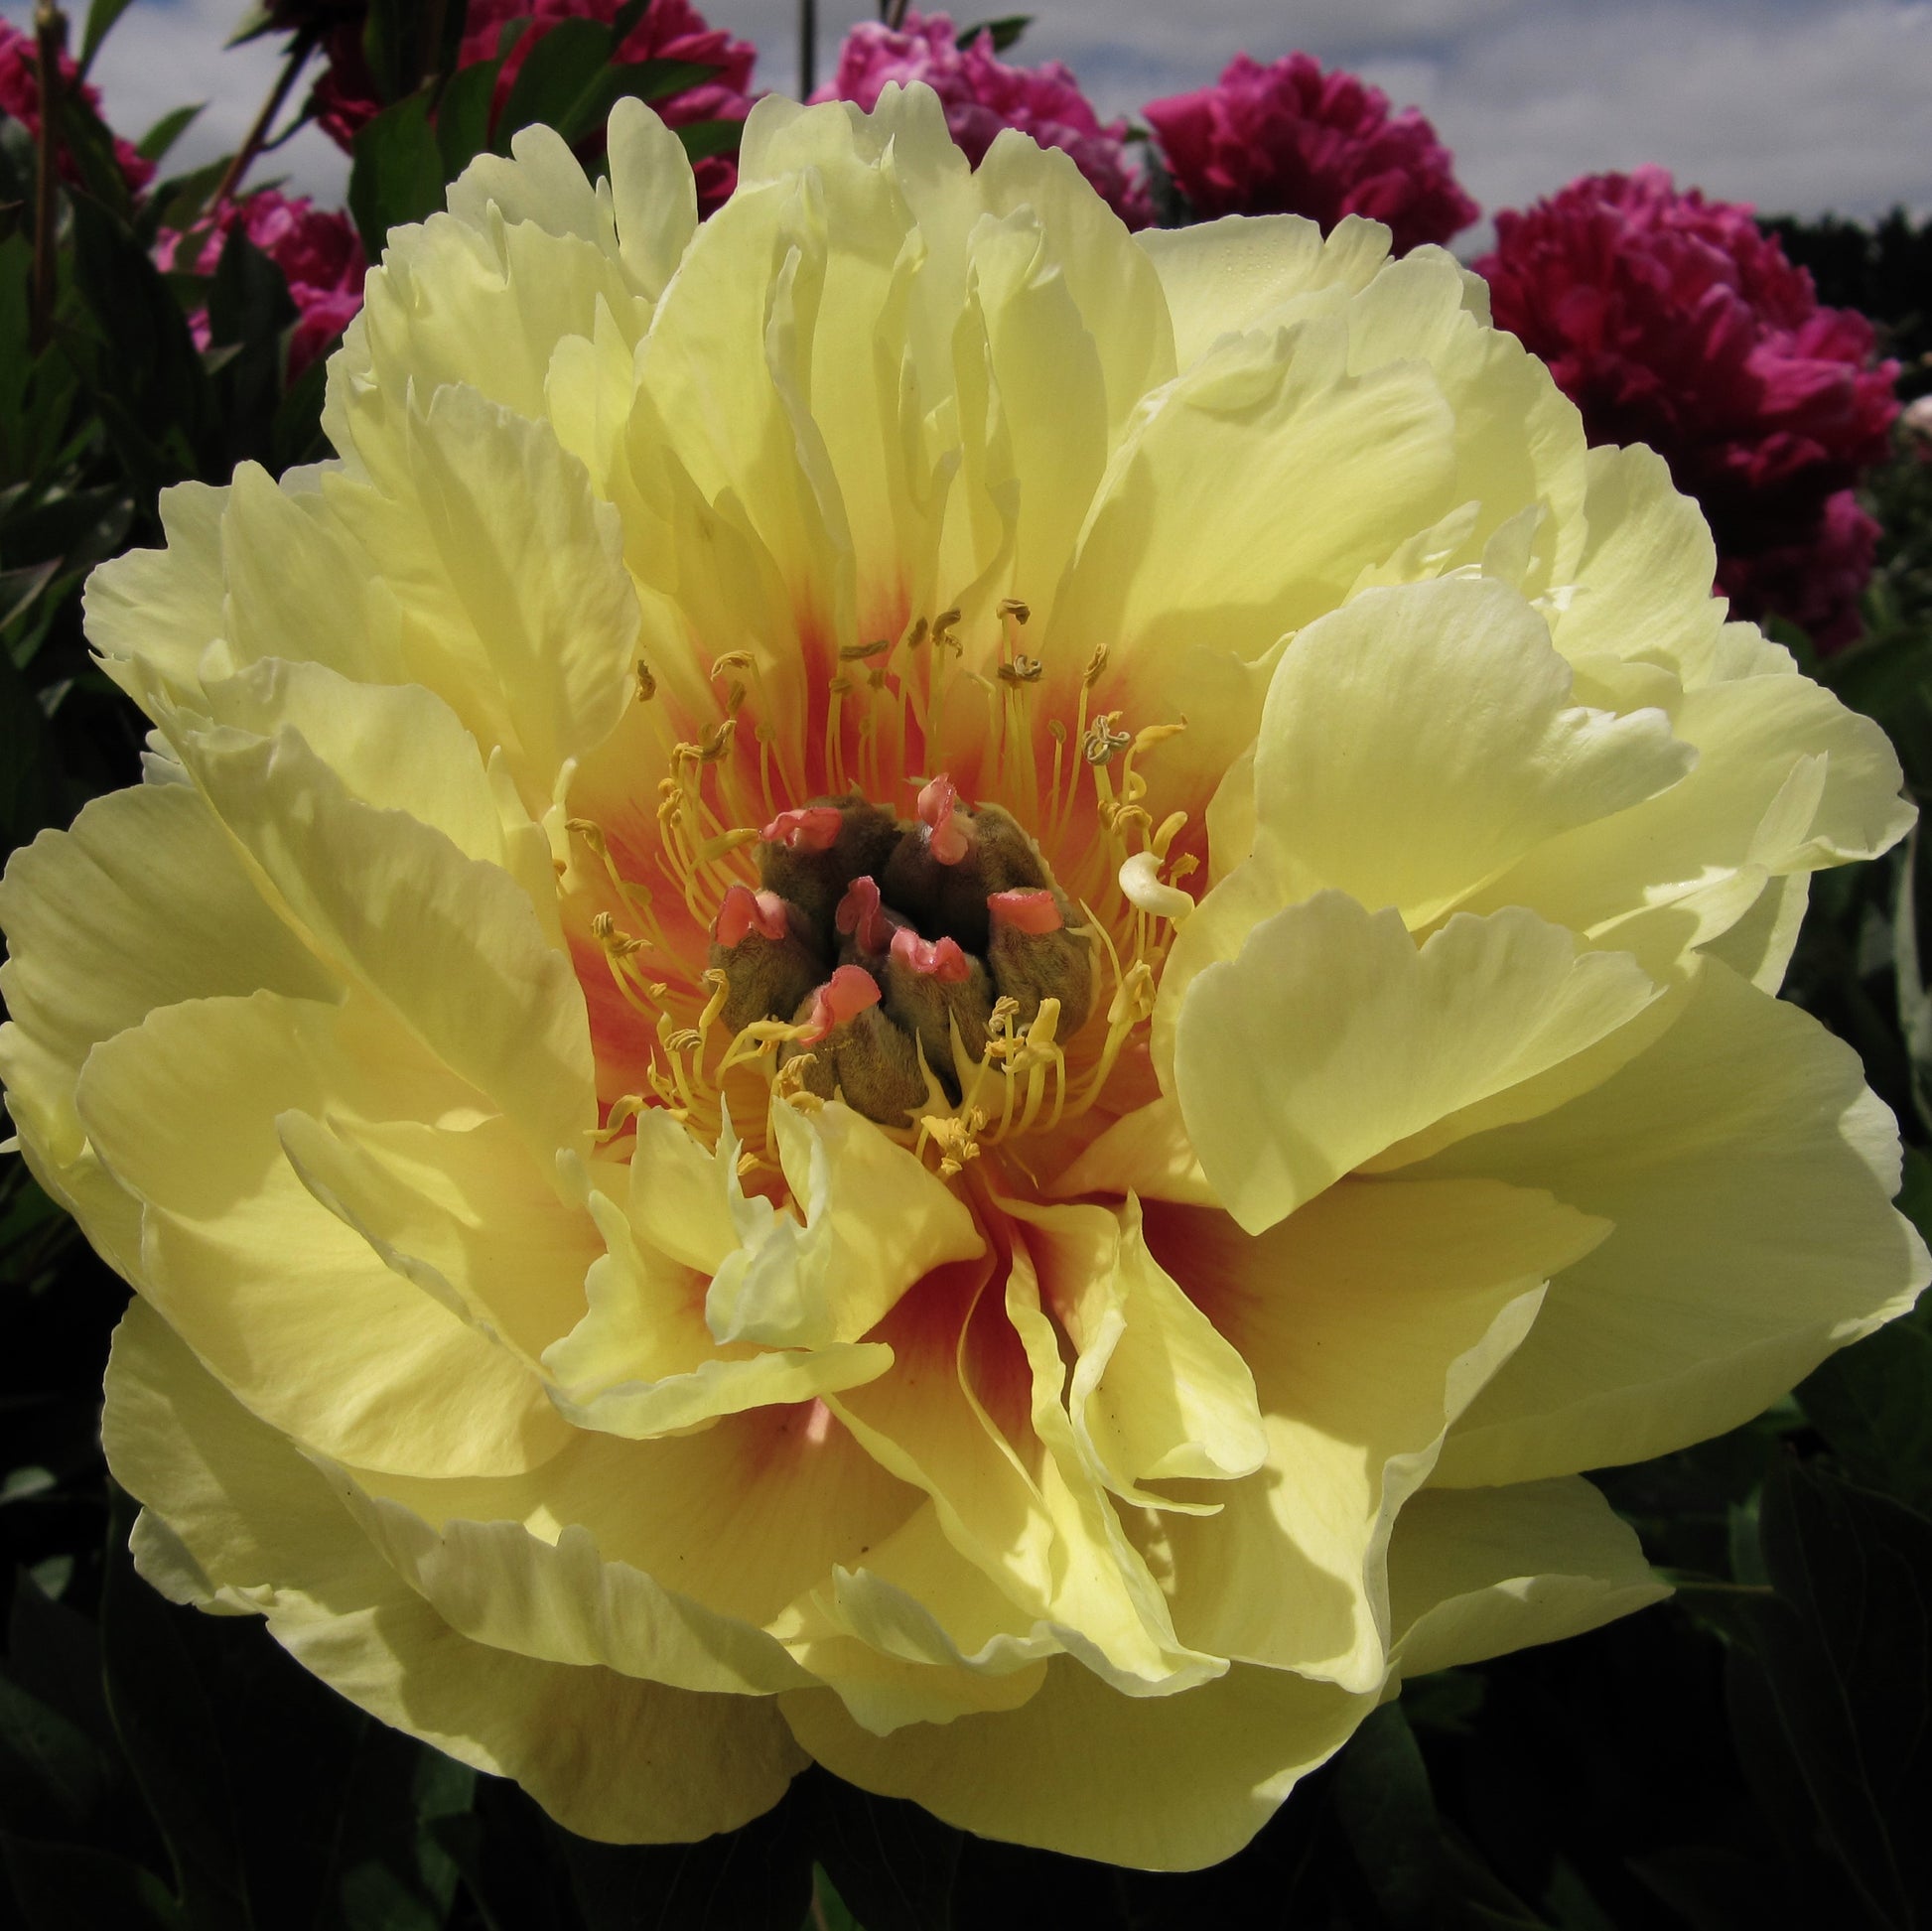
<point x="930" y="966"/>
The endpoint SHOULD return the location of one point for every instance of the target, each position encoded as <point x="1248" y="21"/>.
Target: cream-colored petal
<point x="1787" y="780"/>
<point x="1475" y="1572"/>
<point x="834" y="1275"/>
<point x="608" y="1755"/>
<point x="291" y="1307"/>
<point x="1748" y="1170"/>
<point x="462" y="1212"/>
<point x="143" y="904"/>
<point x="1370" y="1318"/>
<point x="1168" y="1784"/>
<point x="1146" y="1151"/>
<point x="972" y="1414"/>
<point x="164" y="604"/>
<point x="1156" y="1392"/>
<point x="1247" y="428"/>
<point x="1333" y="1036"/>
<point x="452" y="945"/>
<point x="516" y="607"/>
<point x="1228" y="276"/>
<point x="1423" y="739"/>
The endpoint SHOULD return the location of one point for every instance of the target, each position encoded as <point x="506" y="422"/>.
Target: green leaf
<point x="559" y="71"/>
<point x="32" y="796"/>
<point x="462" y="116"/>
<point x="64" y="1887"/>
<point x="155" y="143"/>
<point x="640" y="80"/>
<point x="52" y="1775"/>
<point x="397" y="174"/>
<point x="101" y="16"/>
<point x="1005" y="31"/>
<point x="703" y="139"/>
<point x="167" y="1733"/>
<point x="1873" y="1403"/>
<point x="829" y="1913"/>
<point x="894" y="1865"/>
<point x="1846" y="1648"/>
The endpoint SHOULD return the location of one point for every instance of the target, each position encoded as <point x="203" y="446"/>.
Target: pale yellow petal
<point x="1477" y="1573"/>
<point x="164" y="604"/>
<point x="1370" y="1318"/>
<point x="1747" y="1171"/>
<point x="1168" y="1784"/>
<point x="291" y="1307"/>
<point x="608" y="1755"/>
<point x="1333" y="1036"/>
<point x="834" y="1275"/>
<point x="1423" y="739"/>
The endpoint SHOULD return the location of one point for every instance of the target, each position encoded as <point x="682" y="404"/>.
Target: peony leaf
<point x="1846" y="1647"/>
<point x="397" y="174"/>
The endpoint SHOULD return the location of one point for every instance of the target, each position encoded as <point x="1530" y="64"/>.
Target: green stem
<point x="50" y="37"/>
<point x="257" y="135"/>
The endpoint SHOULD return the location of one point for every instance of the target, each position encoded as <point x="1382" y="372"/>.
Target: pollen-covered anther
<point x="1021" y="670"/>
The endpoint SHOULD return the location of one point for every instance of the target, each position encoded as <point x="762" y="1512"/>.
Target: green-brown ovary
<point x="897" y="948"/>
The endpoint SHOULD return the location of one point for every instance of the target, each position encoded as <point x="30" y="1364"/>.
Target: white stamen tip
<point x="1140" y="879"/>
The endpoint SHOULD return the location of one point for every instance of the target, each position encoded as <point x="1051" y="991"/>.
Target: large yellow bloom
<point x="917" y="986"/>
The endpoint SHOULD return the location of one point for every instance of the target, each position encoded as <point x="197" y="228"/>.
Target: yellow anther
<point x="747" y="1164"/>
<point x="622" y="1112"/>
<point x="1056" y="731"/>
<point x="731" y="841"/>
<point x="647" y="683"/>
<point x="1095" y="665"/>
<point x="942" y="625"/>
<point x="840" y="685"/>
<point x="731" y="661"/>
<point x="853" y="654"/>
<point x="1171" y="829"/>
<point x="734" y="700"/>
<point x="1151" y="735"/>
<point x="716" y="742"/>
<point x="620" y="945"/>
<point x="789" y="1085"/>
<point x="1014" y="607"/>
<point x="590" y="833"/>
<point x="1021" y="670"/>
<point x="917" y="635"/>
<point x="687" y="1038"/>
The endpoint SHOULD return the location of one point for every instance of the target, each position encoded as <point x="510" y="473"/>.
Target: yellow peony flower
<point x="918" y="986"/>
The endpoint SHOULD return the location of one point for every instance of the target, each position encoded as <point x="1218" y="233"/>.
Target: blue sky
<point x="1794" y="104"/>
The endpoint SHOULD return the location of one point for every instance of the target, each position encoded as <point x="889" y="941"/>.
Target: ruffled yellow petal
<point x="1370" y="1319"/>
<point x="1465" y="748"/>
<point x="1333" y="1035"/>
<point x="1168" y="1784"/>
<point x="1748" y="1170"/>
<point x="290" y="1307"/>
<point x="236" y="1518"/>
<point x="1477" y="1573"/>
<point x="142" y="904"/>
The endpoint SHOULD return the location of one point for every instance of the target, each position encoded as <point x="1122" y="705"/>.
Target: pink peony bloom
<point x="20" y="97"/>
<point x="981" y="94"/>
<point x="344" y="97"/>
<point x="318" y="253"/>
<point x="1288" y="139"/>
<point x="1677" y="321"/>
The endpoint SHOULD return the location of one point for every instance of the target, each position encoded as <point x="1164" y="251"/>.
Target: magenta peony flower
<point x="344" y="97"/>
<point x="317" y="250"/>
<point x="982" y="94"/>
<point x="20" y="97"/>
<point x="1290" y="139"/>
<point x="1677" y="321"/>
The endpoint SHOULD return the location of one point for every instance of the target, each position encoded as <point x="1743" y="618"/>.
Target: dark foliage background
<point x="1755" y="1753"/>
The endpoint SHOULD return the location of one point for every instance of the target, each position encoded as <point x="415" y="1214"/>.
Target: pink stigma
<point x="1024" y="911"/>
<point x="858" y="915"/>
<point x="843" y="995"/>
<point x="746" y="911"/>
<point x="808" y="828"/>
<point x="933" y="958"/>
<point x="949" y="837"/>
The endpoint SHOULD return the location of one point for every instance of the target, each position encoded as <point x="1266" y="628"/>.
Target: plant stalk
<point x="49" y="38"/>
<point x="257" y="135"/>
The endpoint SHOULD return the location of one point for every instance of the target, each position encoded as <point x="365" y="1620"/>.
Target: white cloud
<point x="1800" y="104"/>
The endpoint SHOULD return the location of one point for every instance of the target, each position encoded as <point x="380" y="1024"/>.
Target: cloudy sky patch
<point x="1795" y="104"/>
